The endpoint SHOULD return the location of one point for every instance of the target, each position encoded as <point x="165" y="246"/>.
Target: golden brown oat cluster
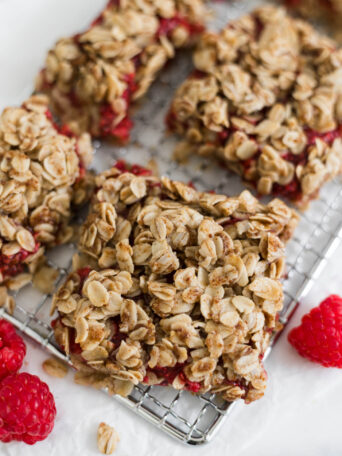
<point x="41" y="175"/>
<point x="180" y="287"/>
<point x="94" y="77"/>
<point x="329" y="11"/>
<point x="266" y="100"/>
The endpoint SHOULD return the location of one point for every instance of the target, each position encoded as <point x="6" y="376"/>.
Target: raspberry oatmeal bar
<point x="266" y="100"/>
<point x="94" y="77"/>
<point x="42" y="172"/>
<point x="173" y="287"/>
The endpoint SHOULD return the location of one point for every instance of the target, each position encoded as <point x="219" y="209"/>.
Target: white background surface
<point x="301" y="412"/>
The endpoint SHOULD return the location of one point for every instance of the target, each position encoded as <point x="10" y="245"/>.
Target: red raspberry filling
<point x="231" y="221"/>
<point x="12" y="265"/>
<point x="138" y="170"/>
<point x="107" y="125"/>
<point x="292" y="190"/>
<point x="83" y="274"/>
<point x="73" y="347"/>
<point x="108" y="116"/>
<point x="328" y="137"/>
<point x="168" y="25"/>
<point x="170" y="373"/>
<point x="118" y="336"/>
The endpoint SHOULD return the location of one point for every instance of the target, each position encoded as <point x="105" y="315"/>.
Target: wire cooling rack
<point x="192" y="419"/>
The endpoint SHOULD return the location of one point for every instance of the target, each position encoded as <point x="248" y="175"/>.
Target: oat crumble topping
<point x="173" y="287"/>
<point x="266" y="100"/>
<point x="330" y="11"/>
<point x="92" y="78"/>
<point x="41" y="175"/>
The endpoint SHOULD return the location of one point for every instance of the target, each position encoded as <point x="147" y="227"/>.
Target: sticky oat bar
<point x="173" y="287"/>
<point x="94" y="77"/>
<point x="266" y="100"/>
<point x="41" y="175"/>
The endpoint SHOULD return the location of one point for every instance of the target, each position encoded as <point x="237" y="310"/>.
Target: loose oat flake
<point x="107" y="438"/>
<point x="55" y="367"/>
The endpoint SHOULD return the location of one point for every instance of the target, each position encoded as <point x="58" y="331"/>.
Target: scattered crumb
<point x="182" y="152"/>
<point x="45" y="278"/>
<point x="55" y="367"/>
<point x="153" y="166"/>
<point x="3" y="296"/>
<point x="6" y="300"/>
<point x="19" y="281"/>
<point x="80" y="261"/>
<point x="107" y="438"/>
<point x="10" y="305"/>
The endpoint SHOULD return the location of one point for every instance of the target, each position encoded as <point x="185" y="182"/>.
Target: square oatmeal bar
<point x="42" y="174"/>
<point x="173" y="287"/>
<point x="94" y="77"/>
<point x="266" y="101"/>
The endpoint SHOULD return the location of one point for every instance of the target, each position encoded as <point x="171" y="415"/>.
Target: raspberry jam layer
<point x="168" y="25"/>
<point x="118" y="336"/>
<point x="74" y="348"/>
<point x="108" y="125"/>
<point x="138" y="170"/>
<point x="12" y="265"/>
<point x="83" y="273"/>
<point x="170" y="373"/>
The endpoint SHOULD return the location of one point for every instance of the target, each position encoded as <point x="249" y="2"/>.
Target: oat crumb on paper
<point x="44" y="279"/>
<point x="55" y="367"/>
<point x="107" y="438"/>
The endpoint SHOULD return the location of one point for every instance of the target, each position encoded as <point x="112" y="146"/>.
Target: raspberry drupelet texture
<point x="27" y="409"/>
<point x="12" y="349"/>
<point x="319" y="336"/>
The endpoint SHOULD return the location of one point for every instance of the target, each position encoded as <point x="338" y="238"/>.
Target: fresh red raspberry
<point x="12" y="349"/>
<point x="27" y="409"/>
<point x="319" y="336"/>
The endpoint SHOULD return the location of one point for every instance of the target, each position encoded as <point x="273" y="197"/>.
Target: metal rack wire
<point x="191" y="419"/>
